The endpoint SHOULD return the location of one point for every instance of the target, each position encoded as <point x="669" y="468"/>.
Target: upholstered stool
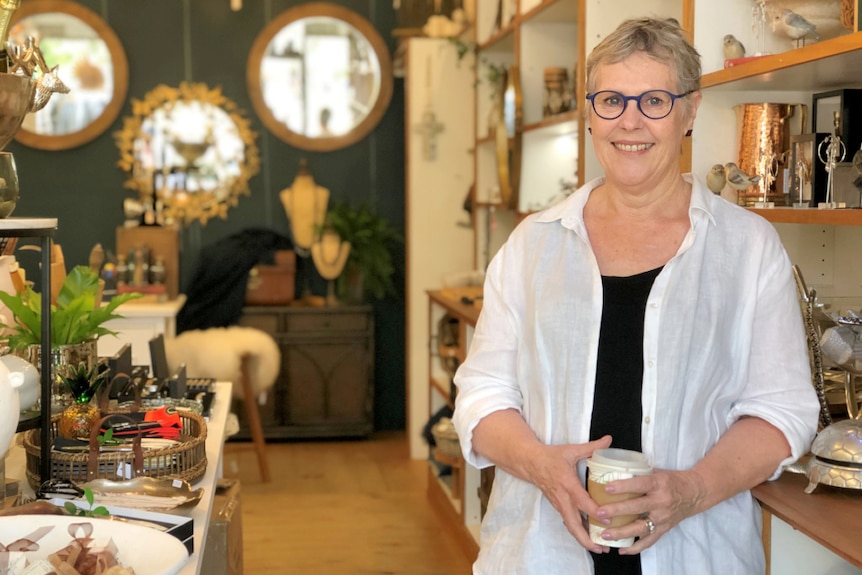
<point x="243" y="355"/>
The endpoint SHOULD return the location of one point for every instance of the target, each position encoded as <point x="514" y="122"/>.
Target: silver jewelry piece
<point x="649" y="525"/>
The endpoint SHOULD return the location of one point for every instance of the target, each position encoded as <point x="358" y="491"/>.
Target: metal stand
<point x="42" y="228"/>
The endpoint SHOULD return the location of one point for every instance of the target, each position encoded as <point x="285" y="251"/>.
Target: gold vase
<point x="62" y="356"/>
<point x="77" y="420"/>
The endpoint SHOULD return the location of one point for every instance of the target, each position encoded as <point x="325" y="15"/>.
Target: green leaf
<point x="71" y="508"/>
<point x="101" y="511"/>
<point x="88" y="495"/>
<point x="76" y="318"/>
<point x="372" y="241"/>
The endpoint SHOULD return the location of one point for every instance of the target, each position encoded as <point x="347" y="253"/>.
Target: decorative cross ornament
<point x="428" y="128"/>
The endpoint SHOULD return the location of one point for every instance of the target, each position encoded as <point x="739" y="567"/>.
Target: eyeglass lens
<point x="655" y="104"/>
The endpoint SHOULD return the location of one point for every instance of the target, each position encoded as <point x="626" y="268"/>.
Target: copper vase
<point x="764" y="146"/>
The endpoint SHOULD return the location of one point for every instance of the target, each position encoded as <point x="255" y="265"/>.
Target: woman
<point x="642" y="312"/>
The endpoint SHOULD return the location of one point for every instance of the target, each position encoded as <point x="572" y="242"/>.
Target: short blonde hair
<point x="663" y="39"/>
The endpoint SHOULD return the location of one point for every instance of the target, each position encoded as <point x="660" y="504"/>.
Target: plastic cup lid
<point x="623" y="459"/>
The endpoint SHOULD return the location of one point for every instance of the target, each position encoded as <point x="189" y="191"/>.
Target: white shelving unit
<point x="456" y="495"/>
<point x="543" y="33"/>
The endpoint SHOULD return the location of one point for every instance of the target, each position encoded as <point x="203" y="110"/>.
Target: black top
<point x="617" y="409"/>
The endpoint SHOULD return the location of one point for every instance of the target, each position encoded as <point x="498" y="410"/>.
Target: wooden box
<point x="273" y="284"/>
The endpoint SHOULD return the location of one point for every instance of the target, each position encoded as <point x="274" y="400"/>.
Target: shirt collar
<point x="570" y="212"/>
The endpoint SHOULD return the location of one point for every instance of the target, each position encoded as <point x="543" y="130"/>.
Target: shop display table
<point x="815" y="533"/>
<point x="202" y="511"/>
<point x="141" y="322"/>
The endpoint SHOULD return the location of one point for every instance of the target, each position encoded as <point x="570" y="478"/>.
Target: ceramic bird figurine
<point x="794" y="26"/>
<point x="732" y="48"/>
<point x="716" y="179"/>
<point x="737" y="179"/>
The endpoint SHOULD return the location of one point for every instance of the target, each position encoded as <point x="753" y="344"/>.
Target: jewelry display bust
<point x="330" y="254"/>
<point x="305" y="204"/>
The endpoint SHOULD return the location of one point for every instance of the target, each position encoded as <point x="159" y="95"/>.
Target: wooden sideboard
<point x="325" y="388"/>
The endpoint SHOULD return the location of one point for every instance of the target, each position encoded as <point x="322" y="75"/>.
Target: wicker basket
<point x="446" y="438"/>
<point x="186" y="460"/>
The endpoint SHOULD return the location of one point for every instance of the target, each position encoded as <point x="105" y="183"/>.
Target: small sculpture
<point x="716" y="179"/>
<point x="737" y="179"/>
<point x="794" y="26"/>
<point x="26" y="60"/>
<point x="732" y="48"/>
<point x="46" y="84"/>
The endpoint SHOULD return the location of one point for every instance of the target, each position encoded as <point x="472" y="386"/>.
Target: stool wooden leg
<point x="254" y="422"/>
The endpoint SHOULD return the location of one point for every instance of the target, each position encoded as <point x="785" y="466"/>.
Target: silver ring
<point x="649" y="525"/>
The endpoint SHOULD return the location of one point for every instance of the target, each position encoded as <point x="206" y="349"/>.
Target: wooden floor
<point x="341" y="508"/>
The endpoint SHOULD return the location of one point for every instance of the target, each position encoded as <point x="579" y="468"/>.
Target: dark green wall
<point x="170" y="41"/>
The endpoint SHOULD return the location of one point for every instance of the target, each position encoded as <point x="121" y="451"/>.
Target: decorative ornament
<point x="429" y="127"/>
<point x="330" y="255"/>
<point x="830" y="152"/>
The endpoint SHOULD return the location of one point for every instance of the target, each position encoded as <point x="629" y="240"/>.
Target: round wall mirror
<point x="188" y="152"/>
<point x="319" y="77"/>
<point x="91" y="63"/>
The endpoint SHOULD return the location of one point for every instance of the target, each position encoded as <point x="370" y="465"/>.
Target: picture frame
<point x="801" y="166"/>
<point x="845" y="106"/>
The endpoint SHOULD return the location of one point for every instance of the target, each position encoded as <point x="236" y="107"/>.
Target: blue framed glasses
<point x="654" y="104"/>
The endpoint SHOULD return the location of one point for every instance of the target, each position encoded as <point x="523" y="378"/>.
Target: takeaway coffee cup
<point x="608" y="465"/>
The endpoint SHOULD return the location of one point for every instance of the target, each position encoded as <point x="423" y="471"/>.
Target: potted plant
<point x="369" y="268"/>
<point x="77" y="319"/>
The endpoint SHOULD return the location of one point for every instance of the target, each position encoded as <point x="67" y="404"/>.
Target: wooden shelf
<point x="501" y="41"/>
<point x="829" y="515"/>
<point x="461" y="311"/>
<point x="497" y="205"/>
<point x="442" y="390"/>
<point x="491" y="138"/>
<point x="565" y="123"/>
<point x="551" y="11"/>
<point x="842" y="217"/>
<point x="440" y="497"/>
<point x="816" y="67"/>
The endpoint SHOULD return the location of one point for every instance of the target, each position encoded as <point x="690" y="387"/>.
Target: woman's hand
<point x="668" y="498"/>
<point x="554" y="471"/>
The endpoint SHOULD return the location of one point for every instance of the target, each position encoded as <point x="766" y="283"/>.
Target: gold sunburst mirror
<point x="189" y="152"/>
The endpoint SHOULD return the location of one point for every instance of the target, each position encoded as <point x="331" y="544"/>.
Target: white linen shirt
<point x="723" y="338"/>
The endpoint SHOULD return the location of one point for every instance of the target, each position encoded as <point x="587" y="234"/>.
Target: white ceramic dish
<point x="147" y="551"/>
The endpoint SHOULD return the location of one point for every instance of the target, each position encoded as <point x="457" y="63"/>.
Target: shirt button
<point x="650" y="363"/>
<point x="646" y="419"/>
<point x="653" y="305"/>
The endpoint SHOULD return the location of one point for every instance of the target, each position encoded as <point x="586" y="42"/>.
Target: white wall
<point x="439" y="235"/>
